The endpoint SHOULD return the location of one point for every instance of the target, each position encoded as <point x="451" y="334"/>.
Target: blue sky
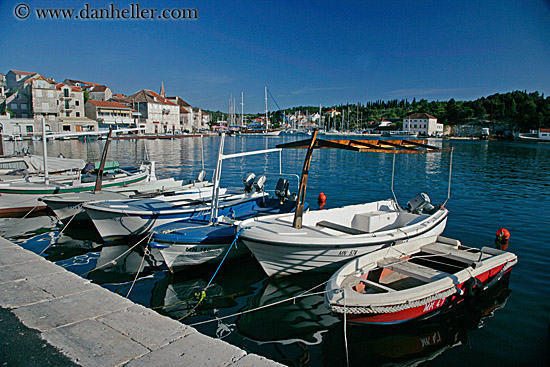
<point x="305" y="52"/>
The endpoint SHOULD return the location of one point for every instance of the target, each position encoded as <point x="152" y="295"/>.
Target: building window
<point x="66" y="104"/>
<point x="77" y="103"/>
<point x="13" y="106"/>
<point x="67" y="113"/>
<point x="65" y="92"/>
<point x="29" y="129"/>
<point x="24" y="115"/>
<point x="66" y="127"/>
<point x="77" y="114"/>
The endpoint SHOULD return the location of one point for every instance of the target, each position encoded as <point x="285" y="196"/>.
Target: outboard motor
<point x="259" y="182"/>
<point x="281" y="189"/>
<point x="248" y="181"/>
<point x="419" y="203"/>
<point x="200" y="176"/>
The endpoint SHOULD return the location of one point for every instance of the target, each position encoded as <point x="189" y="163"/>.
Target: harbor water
<point x="493" y="185"/>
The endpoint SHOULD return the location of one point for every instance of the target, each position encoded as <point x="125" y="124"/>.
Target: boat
<point x="414" y="280"/>
<point x="399" y="134"/>
<point x="321" y="239"/>
<point x="260" y="130"/>
<point x="20" y="197"/>
<point x="68" y="207"/>
<point x="414" y="342"/>
<point x="199" y="241"/>
<point x="332" y="236"/>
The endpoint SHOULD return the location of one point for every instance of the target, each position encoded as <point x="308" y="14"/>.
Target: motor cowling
<point x="259" y="182"/>
<point x="248" y="181"/>
<point x="281" y="189"/>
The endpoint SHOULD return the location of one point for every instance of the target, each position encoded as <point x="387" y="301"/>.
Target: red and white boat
<point x="412" y="280"/>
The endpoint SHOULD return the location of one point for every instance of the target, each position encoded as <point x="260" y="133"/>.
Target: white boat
<point x="318" y="240"/>
<point x="327" y="238"/>
<point x="69" y="206"/>
<point x="117" y="219"/>
<point x="414" y="279"/>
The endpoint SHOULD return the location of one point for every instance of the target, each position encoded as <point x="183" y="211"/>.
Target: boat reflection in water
<point x="413" y="342"/>
<point x="297" y="319"/>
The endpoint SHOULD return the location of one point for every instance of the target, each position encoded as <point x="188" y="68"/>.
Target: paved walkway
<point x="95" y="327"/>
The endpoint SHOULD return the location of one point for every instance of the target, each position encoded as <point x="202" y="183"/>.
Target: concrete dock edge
<point x="95" y="327"/>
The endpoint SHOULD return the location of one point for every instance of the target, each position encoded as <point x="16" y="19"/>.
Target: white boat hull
<point x="283" y="250"/>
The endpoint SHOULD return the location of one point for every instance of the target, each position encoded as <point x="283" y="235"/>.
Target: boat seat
<point x="340" y="228"/>
<point x="420" y="272"/>
<point x="466" y="257"/>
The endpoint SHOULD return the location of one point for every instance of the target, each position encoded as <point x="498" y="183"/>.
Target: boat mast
<point x="45" y="149"/>
<point x="266" y="121"/>
<point x="242" y="108"/>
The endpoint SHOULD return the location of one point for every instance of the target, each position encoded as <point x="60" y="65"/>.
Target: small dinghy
<point x="413" y="280"/>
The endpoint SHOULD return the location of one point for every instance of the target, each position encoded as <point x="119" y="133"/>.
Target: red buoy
<point x="321" y="198"/>
<point x="503" y="234"/>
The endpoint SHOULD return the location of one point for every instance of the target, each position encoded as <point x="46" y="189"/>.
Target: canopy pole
<point x="392" y="176"/>
<point x="303" y="184"/>
<point x="450" y="173"/>
<point x="99" y="178"/>
<point x="216" y="186"/>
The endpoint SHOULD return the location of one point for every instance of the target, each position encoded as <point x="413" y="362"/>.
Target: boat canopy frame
<point x="402" y="146"/>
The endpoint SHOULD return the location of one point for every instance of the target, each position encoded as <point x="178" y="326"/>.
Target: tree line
<point x="521" y="110"/>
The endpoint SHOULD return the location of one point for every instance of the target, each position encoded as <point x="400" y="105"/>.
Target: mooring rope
<point x="202" y="295"/>
<point x="116" y="258"/>
<point x="54" y="240"/>
<point x="145" y="253"/>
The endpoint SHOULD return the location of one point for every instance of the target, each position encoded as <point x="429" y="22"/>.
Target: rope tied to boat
<point x="202" y="295"/>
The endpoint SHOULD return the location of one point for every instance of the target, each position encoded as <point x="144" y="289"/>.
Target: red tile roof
<point x="160" y="98"/>
<point x="22" y="72"/>
<point x="420" y="115"/>
<point x="108" y="104"/>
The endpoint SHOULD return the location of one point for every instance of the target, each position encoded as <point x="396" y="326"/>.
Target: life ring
<point x="472" y="287"/>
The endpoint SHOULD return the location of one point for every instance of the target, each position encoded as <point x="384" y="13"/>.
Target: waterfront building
<point x="100" y="93"/>
<point x="157" y="114"/>
<point x="422" y="124"/>
<point x="110" y="114"/>
<point x="186" y="113"/>
<point x="15" y="78"/>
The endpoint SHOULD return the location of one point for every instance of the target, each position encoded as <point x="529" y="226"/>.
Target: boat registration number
<point x="347" y="253"/>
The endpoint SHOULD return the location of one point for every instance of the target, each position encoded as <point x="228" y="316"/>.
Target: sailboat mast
<point x="242" y="108"/>
<point x="266" y="121"/>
